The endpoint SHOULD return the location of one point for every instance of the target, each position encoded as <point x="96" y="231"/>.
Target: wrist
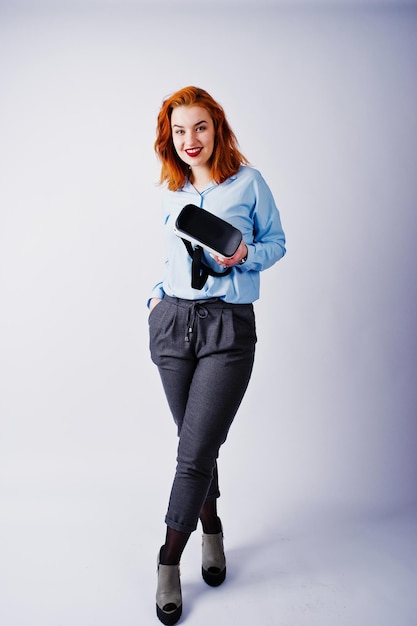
<point x="244" y="258"/>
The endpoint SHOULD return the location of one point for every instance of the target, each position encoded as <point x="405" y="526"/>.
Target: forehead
<point x="189" y="115"/>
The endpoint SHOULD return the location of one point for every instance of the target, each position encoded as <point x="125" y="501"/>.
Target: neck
<point x="200" y="178"/>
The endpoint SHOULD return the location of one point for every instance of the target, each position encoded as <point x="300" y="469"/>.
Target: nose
<point x="189" y="137"/>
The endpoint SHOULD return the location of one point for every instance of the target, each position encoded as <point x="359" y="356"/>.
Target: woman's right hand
<point x="153" y="302"/>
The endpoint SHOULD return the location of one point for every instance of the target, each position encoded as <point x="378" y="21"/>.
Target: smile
<point x="193" y="152"/>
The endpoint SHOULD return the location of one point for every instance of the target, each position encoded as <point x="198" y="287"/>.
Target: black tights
<point x="176" y="541"/>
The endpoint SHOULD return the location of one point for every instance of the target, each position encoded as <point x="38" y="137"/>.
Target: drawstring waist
<point x="196" y="308"/>
<point x="199" y="308"/>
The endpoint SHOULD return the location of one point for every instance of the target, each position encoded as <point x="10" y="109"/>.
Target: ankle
<point x="171" y="551"/>
<point x="212" y="526"/>
<point x="167" y="559"/>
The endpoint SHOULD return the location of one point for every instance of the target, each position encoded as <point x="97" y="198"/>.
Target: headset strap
<point x="199" y="270"/>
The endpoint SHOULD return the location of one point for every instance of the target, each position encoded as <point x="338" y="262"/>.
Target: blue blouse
<point x="246" y="202"/>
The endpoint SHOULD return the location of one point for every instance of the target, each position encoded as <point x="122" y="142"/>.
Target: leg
<point x="204" y="385"/>
<point x="204" y="381"/>
<point x="209" y="518"/>
<point x="175" y="543"/>
<point x="215" y="394"/>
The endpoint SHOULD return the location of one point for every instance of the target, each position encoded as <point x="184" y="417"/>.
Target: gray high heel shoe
<point x="214" y="561"/>
<point x="168" y="594"/>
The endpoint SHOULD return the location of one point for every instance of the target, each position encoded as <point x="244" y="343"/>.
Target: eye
<point x="201" y="128"/>
<point x="179" y="131"/>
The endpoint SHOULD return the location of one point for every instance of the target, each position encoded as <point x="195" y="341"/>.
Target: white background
<point x="323" y="101"/>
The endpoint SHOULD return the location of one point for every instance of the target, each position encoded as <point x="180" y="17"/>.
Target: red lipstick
<point x="193" y="152"/>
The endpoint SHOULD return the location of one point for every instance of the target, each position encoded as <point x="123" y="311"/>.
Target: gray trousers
<point x="204" y="351"/>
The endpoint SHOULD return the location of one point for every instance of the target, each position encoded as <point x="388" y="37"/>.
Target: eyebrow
<point x="196" y="124"/>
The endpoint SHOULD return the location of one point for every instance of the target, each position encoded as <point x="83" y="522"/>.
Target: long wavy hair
<point x="226" y="158"/>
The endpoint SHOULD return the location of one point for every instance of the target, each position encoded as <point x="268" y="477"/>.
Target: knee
<point x="197" y="466"/>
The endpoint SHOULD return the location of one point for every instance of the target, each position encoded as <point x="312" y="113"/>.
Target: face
<point x="193" y="135"/>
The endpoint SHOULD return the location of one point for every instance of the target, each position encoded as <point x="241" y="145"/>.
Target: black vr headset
<point x="203" y="230"/>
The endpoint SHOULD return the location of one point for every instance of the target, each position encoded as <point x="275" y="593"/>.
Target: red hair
<point x="226" y="158"/>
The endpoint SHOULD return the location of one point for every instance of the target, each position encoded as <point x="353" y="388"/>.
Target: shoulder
<point x="249" y="177"/>
<point x="172" y="202"/>
<point x="247" y="172"/>
<point x="170" y="196"/>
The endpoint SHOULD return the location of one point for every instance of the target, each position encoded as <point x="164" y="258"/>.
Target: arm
<point x="264" y="236"/>
<point x="157" y="294"/>
<point x="263" y="242"/>
<point x="153" y="302"/>
<point x="266" y="244"/>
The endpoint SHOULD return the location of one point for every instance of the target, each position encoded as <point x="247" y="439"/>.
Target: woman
<point x="203" y="340"/>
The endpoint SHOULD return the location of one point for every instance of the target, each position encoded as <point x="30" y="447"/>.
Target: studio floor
<point x="91" y="559"/>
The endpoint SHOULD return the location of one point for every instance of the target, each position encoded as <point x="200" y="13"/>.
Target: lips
<point x="193" y="152"/>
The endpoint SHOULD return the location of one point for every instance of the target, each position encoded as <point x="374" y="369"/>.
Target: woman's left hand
<point x="240" y="254"/>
